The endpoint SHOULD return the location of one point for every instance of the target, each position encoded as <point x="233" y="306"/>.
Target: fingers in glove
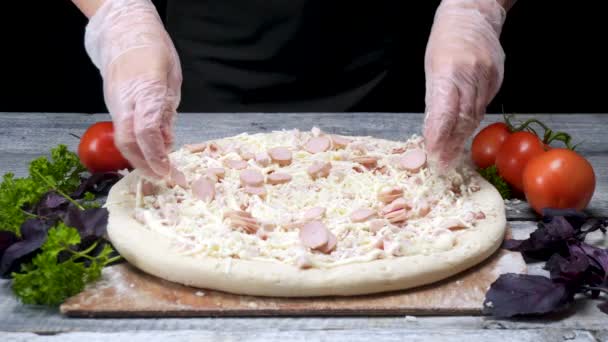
<point x="150" y="116"/>
<point x="124" y="138"/>
<point x="441" y="117"/>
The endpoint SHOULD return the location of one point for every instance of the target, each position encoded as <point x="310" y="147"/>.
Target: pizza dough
<point x="435" y="251"/>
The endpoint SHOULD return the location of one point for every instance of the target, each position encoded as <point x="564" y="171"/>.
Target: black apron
<point x="284" y="55"/>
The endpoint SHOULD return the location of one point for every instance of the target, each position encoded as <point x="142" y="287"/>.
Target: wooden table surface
<point x="25" y="136"/>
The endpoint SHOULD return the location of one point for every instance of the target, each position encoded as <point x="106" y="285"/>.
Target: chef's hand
<point x="142" y="78"/>
<point x="464" y="64"/>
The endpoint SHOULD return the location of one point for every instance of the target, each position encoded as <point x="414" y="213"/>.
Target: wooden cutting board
<point x="125" y="291"/>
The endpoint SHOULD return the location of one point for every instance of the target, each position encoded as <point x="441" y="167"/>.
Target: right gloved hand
<point x="141" y="72"/>
<point x="464" y="67"/>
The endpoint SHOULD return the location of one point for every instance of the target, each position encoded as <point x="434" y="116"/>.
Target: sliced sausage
<point x="474" y="187"/>
<point x="383" y="170"/>
<point x="319" y="169"/>
<point x="256" y="190"/>
<point x="243" y="219"/>
<point x="339" y="142"/>
<point x="367" y="161"/>
<point x="203" y="189"/>
<point x="216" y="173"/>
<point x="314" y="213"/>
<point x="303" y="262"/>
<point x="262" y="158"/>
<point x="147" y="188"/>
<point x="398" y="150"/>
<point x="362" y="214"/>
<point x="236" y="164"/>
<point x="280" y="155"/>
<point x="413" y="160"/>
<point x="388" y="195"/>
<point x="213" y="150"/>
<point x="251" y="178"/>
<point x="358" y="169"/>
<point x="314" y="234"/>
<point x="317" y="144"/>
<point x="278" y="178"/>
<point x="423" y="208"/>
<point x="195" y="148"/>
<point x="262" y="234"/>
<point x="376" y="225"/>
<point x="332" y="241"/>
<point x="396" y="216"/>
<point x="213" y="147"/>
<point x="176" y="177"/>
<point x="398" y="204"/>
<point x="247" y="155"/>
<point x="452" y="224"/>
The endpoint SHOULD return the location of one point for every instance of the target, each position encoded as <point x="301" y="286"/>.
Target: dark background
<point x="554" y="62"/>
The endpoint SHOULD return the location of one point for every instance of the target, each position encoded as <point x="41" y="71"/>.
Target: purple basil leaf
<point x="598" y="258"/>
<point x="570" y="270"/>
<point x="549" y="238"/>
<point x="97" y="183"/>
<point x="574" y="217"/>
<point x="603" y="307"/>
<point x="33" y="234"/>
<point x="51" y="204"/>
<point x="90" y="223"/>
<point x="7" y="239"/>
<point x="523" y="294"/>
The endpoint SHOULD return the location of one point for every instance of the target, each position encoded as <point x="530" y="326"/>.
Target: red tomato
<point x="514" y="154"/>
<point x="97" y="150"/>
<point x="487" y="142"/>
<point x="560" y="178"/>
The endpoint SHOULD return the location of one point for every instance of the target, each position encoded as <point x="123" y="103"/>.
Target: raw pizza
<point x="305" y="213"/>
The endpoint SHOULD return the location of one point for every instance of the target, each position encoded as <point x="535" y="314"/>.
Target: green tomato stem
<point x="549" y="135"/>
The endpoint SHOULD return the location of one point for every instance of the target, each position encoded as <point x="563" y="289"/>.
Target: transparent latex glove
<point x="142" y="78"/>
<point x="464" y="64"/>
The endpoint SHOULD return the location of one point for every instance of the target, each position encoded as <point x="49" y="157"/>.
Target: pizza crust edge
<point x="153" y="254"/>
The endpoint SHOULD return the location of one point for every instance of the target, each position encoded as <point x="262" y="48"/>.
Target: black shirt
<point x="284" y="55"/>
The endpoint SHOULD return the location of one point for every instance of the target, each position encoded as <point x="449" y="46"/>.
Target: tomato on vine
<point x="560" y="178"/>
<point x="487" y="142"/>
<point x="514" y="154"/>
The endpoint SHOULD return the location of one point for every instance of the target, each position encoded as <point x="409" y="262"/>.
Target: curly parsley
<point x="49" y="281"/>
<point x="491" y="175"/>
<point x="17" y="194"/>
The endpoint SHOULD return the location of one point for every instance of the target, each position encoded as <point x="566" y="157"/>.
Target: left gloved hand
<point x="464" y="64"/>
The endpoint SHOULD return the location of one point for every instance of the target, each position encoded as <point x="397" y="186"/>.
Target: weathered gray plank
<point x="26" y="136"/>
<point x="356" y="335"/>
<point x="21" y="318"/>
<point x="35" y="132"/>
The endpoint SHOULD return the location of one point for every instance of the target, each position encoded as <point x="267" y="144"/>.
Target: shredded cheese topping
<point x="438" y="204"/>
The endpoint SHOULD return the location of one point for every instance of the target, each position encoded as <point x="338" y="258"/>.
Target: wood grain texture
<point x="355" y="335"/>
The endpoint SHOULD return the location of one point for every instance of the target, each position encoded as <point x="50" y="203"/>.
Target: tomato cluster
<point x="548" y="177"/>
